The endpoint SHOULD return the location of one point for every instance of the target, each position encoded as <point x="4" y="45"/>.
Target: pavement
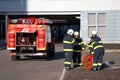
<point x="111" y="70"/>
<point x="40" y="69"/>
<point x="31" y="68"/>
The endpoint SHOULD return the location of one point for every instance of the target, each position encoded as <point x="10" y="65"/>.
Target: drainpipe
<point x="6" y="25"/>
<point x="97" y="24"/>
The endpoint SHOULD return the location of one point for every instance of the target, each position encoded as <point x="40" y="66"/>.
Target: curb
<point x="117" y="50"/>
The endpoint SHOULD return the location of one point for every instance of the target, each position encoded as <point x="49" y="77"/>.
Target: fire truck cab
<point x="30" y="37"/>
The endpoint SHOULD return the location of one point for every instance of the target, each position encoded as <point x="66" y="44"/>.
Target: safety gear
<point x="68" y="59"/>
<point x="98" y="49"/>
<point x="77" y="59"/>
<point x="78" y="47"/>
<point x="98" y="57"/>
<point x="70" y="32"/>
<point x="94" y="69"/>
<point x="76" y="33"/>
<point x="94" y="32"/>
<point x="68" y="41"/>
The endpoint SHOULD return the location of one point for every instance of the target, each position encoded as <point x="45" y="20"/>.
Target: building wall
<point x="111" y="29"/>
<point x="57" y="5"/>
<point x="112" y="18"/>
<point x="84" y="26"/>
<point x="113" y="26"/>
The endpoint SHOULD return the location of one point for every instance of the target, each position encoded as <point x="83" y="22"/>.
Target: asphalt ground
<point x="110" y="71"/>
<point x="31" y="68"/>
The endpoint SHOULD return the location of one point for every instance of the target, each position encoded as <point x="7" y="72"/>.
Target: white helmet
<point x="76" y="33"/>
<point x="94" y="32"/>
<point x="70" y="32"/>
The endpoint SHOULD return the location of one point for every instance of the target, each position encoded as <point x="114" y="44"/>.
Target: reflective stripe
<point x="94" y="64"/>
<point x="75" y="63"/>
<point x="67" y="49"/>
<point x="99" y="64"/>
<point x="98" y="47"/>
<point x="100" y="42"/>
<point x="89" y="46"/>
<point x="81" y="64"/>
<point x="92" y="44"/>
<point x="92" y="52"/>
<point x="76" y="50"/>
<point x="67" y="62"/>
<point x="83" y="49"/>
<point x="81" y="43"/>
<point x="73" y="41"/>
<point x="68" y="42"/>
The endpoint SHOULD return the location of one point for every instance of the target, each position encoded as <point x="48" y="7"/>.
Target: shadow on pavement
<point x="107" y="64"/>
<point x="58" y="55"/>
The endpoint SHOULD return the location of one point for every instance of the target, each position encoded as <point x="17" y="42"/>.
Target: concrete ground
<point x="111" y="70"/>
<point x="30" y="68"/>
<point x="39" y="69"/>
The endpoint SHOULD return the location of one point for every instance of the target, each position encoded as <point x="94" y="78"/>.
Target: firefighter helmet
<point x="94" y="32"/>
<point x="76" y="33"/>
<point x="70" y="32"/>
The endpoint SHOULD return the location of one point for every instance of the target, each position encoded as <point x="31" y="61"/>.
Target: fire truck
<point x="30" y="37"/>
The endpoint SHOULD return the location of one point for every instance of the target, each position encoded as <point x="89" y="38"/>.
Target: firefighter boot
<point x="94" y="69"/>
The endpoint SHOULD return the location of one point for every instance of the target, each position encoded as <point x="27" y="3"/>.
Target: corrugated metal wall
<point x="112" y="26"/>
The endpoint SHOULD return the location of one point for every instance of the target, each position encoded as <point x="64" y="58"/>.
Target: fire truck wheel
<point x="15" y="58"/>
<point x="52" y="53"/>
<point x="47" y="56"/>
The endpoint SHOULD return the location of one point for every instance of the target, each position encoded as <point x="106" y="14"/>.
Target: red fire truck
<point x="30" y="37"/>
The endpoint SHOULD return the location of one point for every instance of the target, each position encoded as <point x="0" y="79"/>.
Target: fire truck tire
<point x="52" y="53"/>
<point x="47" y="56"/>
<point x="15" y="58"/>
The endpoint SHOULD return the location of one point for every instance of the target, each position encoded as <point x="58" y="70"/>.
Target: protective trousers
<point x="77" y="59"/>
<point x="68" y="59"/>
<point x="98" y="57"/>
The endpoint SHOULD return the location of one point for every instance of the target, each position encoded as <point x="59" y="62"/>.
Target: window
<point x="96" y="21"/>
<point x="101" y="19"/>
<point x="101" y="30"/>
<point x="101" y="25"/>
<point x="90" y="28"/>
<point x="91" y="23"/>
<point x="91" y="19"/>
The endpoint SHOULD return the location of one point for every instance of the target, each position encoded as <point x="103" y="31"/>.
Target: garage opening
<point x="61" y="23"/>
<point x="2" y="27"/>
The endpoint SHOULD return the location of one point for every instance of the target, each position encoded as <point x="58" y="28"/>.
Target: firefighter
<point x="78" y="47"/>
<point x="98" y="53"/>
<point x="89" y="46"/>
<point x="68" y="41"/>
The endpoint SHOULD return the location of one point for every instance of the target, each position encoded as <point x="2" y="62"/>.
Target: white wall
<point x="58" y="5"/>
<point x="73" y="5"/>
